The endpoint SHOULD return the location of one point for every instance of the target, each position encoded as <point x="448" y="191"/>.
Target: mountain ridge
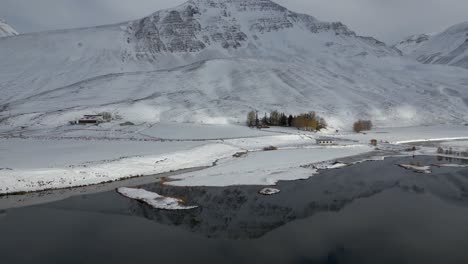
<point x="449" y="47"/>
<point x="232" y="24"/>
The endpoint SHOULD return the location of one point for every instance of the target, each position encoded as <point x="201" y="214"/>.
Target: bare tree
<point x="251" y="118"/>
<point x="362" y="125"/>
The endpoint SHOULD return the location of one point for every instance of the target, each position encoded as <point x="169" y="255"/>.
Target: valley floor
<point x="227" y="155"/>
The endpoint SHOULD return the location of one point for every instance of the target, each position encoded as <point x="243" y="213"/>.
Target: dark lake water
<point x="374" y="212"/>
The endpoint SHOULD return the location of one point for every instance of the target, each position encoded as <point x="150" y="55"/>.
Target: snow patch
<point x="416" y="168"/>
<point x="266" y="167"/>
<point x="155" y="200"/>
<point x="452" y="165"/>
<point x="269" y="191"/>
<point x="329" y="165"/>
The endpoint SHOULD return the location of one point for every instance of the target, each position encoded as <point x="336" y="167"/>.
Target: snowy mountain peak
<point x="6" y="30"/>
<point x="449" y="47"/>
<point x="249" y="24"/>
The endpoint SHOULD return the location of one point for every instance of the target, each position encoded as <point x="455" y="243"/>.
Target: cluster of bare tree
<point x="362" y="125"/>
<point x="308" y="121"/>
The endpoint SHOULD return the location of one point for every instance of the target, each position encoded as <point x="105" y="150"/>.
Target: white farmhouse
<point x="326" y="141"/>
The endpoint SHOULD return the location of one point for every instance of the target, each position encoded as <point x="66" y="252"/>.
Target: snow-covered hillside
<point x="212" y="61"/>
<point x="6" y="30"/>
<point x="449" y="47"/>
<point x="412" y="43"/>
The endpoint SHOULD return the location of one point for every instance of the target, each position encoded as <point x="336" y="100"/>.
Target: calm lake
<point x="373" y="212"/>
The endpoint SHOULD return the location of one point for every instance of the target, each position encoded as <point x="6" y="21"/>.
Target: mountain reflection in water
<point x="241" y="213"/>
<point x="374" y="212"/>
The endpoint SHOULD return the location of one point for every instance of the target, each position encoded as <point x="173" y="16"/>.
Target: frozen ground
<point x="35" y="153"/>
<point x="266" y="168"/>
<point x="184" y="131"/>
<point x="14" y="180"/>
<point x="34" y="164"/>
<point x="404" y="135"/>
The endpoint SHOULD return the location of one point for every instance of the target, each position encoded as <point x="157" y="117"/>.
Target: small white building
<point x="325" y="141"/>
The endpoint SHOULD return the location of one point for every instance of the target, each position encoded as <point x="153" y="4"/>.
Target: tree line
<point x="306" y="121"/>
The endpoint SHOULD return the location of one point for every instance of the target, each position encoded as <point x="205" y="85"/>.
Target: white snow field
<point x="155" y="200"/>
<point x="404" y="135"/>
<point x="25" y="180"/>
<point x="266" y="168"/>
<point x="38" y="164"/>
<point x="33" y="153"/>
<point x="194" y="131"/>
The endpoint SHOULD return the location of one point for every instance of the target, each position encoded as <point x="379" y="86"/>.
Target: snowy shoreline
<point x="31" y="165"/>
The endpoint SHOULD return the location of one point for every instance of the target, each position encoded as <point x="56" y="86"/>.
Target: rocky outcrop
<point x="229" y="24"/>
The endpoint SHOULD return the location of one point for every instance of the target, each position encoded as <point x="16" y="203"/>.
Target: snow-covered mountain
<point x="449" y="47"/>
<point x="411" y="43"/>
<point x="6" y="30"/>
<point x="246" y="26"/>
<point x="213" y="61"/>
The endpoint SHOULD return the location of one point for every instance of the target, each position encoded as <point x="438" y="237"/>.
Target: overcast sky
<point x="387" y="20"/>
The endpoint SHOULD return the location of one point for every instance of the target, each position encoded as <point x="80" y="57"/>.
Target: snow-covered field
<point x="186" y="131"/>
<point x="38" y="164"/>
<point x="33" y="154"/>
<point x="266" y="168"/>
<point x="401" y="135"/>
<point x="23" y="180"/>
